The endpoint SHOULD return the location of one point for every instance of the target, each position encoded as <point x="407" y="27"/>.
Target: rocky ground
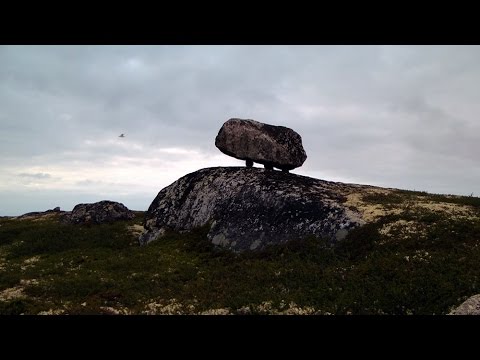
<point x="415" y="253"/>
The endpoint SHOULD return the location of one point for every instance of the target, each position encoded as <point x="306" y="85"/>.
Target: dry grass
<point x="369" y="212"/>
<point x="451" y="209"/>
<point x="136" y="229"/>
<point x="12" y="293"/>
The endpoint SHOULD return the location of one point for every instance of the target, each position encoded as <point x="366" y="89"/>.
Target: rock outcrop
<point x="471" y="306"/>
<point x="253" y="141"/>
<point x="37" y="214"/>
<point x="100" y="212"/>
<point x="249" y="208"/>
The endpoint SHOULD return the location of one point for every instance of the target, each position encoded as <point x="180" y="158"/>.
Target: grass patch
<point x="453" y="199"/>
<point x="13" y="307"/>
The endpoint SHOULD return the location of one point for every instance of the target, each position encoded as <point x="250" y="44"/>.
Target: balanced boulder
<point x="253" y="141"/>
<point x="250" y="208"/>
<point x="99" y="212"/>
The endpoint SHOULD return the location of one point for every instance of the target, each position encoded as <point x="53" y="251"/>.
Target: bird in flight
<point x="121" y="135"/>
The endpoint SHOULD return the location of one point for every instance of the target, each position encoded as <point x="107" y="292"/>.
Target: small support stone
<point x="249" y="163"/>
<point x="285" y="171"/>
<point x="268" y="167"/>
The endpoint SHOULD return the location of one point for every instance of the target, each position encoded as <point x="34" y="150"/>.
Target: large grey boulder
<point x="249" y="208"/>
<point x="100" y="212"/>
<point x="253" y="141"/>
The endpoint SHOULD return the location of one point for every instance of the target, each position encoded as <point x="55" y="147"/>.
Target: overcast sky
<point x="392" y="116"/>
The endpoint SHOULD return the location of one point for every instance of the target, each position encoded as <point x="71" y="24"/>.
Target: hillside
<point x="417" y="253"/>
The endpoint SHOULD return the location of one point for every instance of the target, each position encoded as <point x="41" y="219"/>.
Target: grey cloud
<point x="402" y="116"/>
<point x="38" y="176"/>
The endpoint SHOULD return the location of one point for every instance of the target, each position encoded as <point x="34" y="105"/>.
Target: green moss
<point x="387" y="200"/>
<point x="13" y="307"/>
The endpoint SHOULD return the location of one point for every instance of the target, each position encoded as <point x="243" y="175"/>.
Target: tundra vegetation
<point x="418" y="253"/>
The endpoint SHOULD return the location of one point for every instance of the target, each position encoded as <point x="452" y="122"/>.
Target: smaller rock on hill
<point x="40" y="214"/>
<point x="100" y="212"/>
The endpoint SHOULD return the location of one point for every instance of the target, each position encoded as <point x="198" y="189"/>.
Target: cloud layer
<point x="395" y="116"/>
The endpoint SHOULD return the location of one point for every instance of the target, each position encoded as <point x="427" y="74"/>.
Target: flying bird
<point x="122" y="135"/>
